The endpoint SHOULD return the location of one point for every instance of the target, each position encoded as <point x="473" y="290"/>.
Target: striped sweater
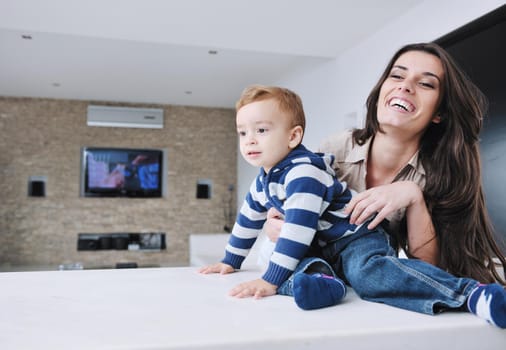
<point x="303" y="187"/>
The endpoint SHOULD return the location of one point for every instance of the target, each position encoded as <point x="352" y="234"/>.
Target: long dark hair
<point x="450" y="155"/>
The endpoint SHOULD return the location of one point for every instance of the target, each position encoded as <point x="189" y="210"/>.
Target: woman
<point x="416" y="163"/>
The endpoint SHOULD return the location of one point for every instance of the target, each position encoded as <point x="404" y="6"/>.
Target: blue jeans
<point x="370" y="265"/>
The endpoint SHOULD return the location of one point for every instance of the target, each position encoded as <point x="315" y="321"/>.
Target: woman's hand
<point x="272" y="226"/>
<point x="382" y="200"/>
<point x="386" y="199"/>
<point x="257" y="289"/>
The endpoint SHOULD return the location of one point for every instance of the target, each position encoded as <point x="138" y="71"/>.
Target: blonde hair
<point x="288" y="101"/>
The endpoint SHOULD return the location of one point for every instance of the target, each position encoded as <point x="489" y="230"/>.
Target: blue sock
<point x="488" y="301"/>
<point x="317" y="290"/>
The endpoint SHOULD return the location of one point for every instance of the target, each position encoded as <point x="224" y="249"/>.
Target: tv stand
<point x="121" y="241"/>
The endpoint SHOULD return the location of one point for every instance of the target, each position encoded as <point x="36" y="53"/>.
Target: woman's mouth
<point x="401" y="104"/>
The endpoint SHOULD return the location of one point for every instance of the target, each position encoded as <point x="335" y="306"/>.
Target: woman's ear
<point x="295" y="136"/>
<point x="437" y="118"/>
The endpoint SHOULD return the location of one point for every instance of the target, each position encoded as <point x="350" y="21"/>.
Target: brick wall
<point x="43" y="137"/>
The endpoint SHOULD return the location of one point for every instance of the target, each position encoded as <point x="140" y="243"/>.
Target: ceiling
<point x="184" y="52"/>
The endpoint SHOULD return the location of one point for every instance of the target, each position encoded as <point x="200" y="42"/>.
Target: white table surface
<point x="177" y="308"/>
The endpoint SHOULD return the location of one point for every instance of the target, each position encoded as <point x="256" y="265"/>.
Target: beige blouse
<point x="350" y="166"/>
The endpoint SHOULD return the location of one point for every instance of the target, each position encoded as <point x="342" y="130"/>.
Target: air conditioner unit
<point x="125" y="117"/>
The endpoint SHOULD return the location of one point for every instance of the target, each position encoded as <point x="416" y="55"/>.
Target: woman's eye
<point x="395" y="76"/>
<point x="427" y="85"/>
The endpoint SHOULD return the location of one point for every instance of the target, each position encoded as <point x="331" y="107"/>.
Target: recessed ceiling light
<point x="213" y="52"/>
<point x="26" y="37"/>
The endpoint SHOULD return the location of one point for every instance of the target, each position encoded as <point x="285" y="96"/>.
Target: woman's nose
<point x="406" y="85"/>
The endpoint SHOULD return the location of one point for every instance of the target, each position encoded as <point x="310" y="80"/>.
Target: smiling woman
<point x="438" y="139"/>
<point x="418" y="168"/>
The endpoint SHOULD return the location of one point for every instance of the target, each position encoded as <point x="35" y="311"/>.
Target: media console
<point x="121" y="241"/>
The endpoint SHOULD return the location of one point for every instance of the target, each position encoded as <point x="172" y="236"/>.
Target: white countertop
<point x="177" y="308"/>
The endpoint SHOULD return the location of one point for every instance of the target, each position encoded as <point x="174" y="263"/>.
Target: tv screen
<point x="121" y="172"/>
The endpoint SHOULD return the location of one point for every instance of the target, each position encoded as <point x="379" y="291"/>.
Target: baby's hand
<point x="220" y="268"/>
<point x="257" y="288"/>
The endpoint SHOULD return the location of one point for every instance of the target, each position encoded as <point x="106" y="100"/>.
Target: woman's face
<point x="410" y="96"/>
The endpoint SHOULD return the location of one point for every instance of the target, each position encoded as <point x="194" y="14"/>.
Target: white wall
<point x="334" y="93"/>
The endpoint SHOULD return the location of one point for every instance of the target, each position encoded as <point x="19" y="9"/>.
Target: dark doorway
<point x="480" y="49"/>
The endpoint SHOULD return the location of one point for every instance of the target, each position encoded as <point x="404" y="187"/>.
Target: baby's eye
<point x="261" y="130"/>
<point x="241" y="133"/>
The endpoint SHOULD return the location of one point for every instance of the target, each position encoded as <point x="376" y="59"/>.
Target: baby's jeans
<point x="369" y="264"/>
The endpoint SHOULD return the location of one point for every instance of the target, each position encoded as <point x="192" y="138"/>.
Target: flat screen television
<point x="122" y="172"/>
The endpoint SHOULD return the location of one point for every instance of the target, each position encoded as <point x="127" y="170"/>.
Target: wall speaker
<point x="204" y="188"/>
<point x="37" y="186"/>
<point x="203" y="191"/>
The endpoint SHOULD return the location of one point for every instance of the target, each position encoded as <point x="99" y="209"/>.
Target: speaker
<point x="36" y="188"/>
<point x="203" y="191"/>
<point x="126" y="265"/>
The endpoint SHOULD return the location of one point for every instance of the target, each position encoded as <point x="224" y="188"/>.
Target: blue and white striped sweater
<point x="303" y="187"/>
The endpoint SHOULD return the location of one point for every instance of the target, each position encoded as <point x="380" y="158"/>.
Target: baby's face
<point x="264" y="133"/>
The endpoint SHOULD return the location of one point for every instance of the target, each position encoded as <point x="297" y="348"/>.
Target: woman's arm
<point x="272" y="226"/>
<point x="386" y="199"/>
<point x="422" y="239"/>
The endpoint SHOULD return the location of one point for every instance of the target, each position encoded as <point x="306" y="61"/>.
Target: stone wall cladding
<point x="44" y="137"/>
